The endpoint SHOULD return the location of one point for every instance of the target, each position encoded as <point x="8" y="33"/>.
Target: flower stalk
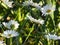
<point x="10" y="41"/>
<point x="53" y="42"/>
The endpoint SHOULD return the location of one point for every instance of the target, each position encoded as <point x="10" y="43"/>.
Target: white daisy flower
<point x="48" y="9"/>
<point x="58" y="37"/>
<point x="30" y="2"/>
<point x="12" y="24"/>
<point x="8" y="3"/>
<point x="27" y="3"/>
<point x="10" y="33"/>
<point x="2" y="43"/>
<point x="36" y="5"/>
<point x="40" y="21"/>
<point x="52" y="36"/>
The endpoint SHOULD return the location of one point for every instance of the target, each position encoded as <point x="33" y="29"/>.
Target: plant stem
<point x="48" y="41"/>
<point x="10" y="41"/>
<point x="56" y="42"/>
<point x="53" y="42"/>
<point x="29" y="34"/>
<point x="3" y="5"/>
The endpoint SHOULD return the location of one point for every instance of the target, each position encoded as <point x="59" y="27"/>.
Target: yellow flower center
<point x="48" y="11"/>
<point x="9" y="35"/>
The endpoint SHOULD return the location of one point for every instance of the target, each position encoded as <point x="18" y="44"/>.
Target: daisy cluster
<point x="11" y="27"/>
<point x="45" y="10"/>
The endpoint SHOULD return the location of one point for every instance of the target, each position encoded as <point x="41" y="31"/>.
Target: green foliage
<point x="31" y="33"/>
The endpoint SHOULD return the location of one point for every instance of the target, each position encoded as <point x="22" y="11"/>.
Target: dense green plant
<point x="30" y="33"/>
